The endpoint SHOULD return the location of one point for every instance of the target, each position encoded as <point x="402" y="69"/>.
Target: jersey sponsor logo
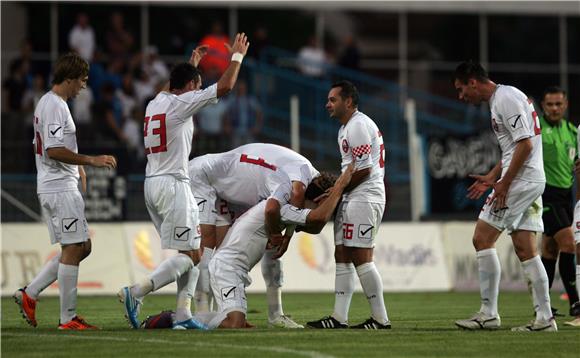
<point x="229" y="293"/>
<point x="365" y="231"/>
<point x="345" y="146"/>
<point x="515" y="121"/>
<point x="181" y="233"/>
<point x="55" y="131"/>
<point x="69" y="224"/>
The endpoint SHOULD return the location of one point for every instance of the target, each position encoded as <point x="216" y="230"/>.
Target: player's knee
<point x="524" y="252"/>
<point x="87" y="249"/>
<point x="341" y="254"/>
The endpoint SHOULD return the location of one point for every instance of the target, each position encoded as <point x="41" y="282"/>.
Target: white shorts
<point x="228" y="285"/>
<point x="356" y="223"/>
<point x="64" y="213"/>
<point x="524" y="208"/>
<point x="576" y="224"/>
<point x="174" y="212"/>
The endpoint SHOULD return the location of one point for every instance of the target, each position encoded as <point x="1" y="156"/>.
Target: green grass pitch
<point x="422" y="327"/>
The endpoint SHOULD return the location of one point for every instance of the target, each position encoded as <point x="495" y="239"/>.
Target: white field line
<point x="311" y="354"/>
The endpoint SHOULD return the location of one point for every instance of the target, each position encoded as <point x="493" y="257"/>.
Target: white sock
<point x="68" y="276"/>
<point x="211" y="319"/>
<point x="45" y="278"/>
<point x="170" y="270"/>
<point x="489" y="276"/>
<point x="274" y="278"/>
<point x="142" y="288"/>
<point x="202" y="288"/>
<point x="536" y="274"/>
<point x="344" y="282"/>
<point x="185" y="286"/>
<point x="372" y="285"/>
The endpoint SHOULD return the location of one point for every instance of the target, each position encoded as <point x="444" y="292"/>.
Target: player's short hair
<point x="470" y="69"/>
<point x="553" y="90"/>
<point x="69" y="67"/>
<point x="319" y="185"/>
<point x="347" y="89"/>
<point x="182" y="74"/>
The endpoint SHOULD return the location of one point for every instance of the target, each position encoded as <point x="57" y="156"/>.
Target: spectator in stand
<point x="81" y="38"/>
<point x="350" y="55"/>
<point x="312" y="59"/>
<point x="107" y="118"/>
<point x="15" y="86"/>
<point x="154" y="67"/>
<point x="217" y="58"/>
<point x="209" y="136"/>
<point x="260" y="41"/>
<point x="133" y="131"/>
<point x="244" y="116"/>
<point x="144" y="88"/>
<point x="32" y="95"/>
<point x="126" y="96"/>
<point x="81" y="110"/>
<point x="119" y="40"/>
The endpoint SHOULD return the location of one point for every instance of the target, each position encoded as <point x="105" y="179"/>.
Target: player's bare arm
<point x="358" y="177"/>
<point x="298" y="192"/>
<point x="521" y="153"/>
<point x="197" y="54"/>
<point x="67" y="156"/>
<point x="483" y="182"/>
<point x="228" y="80"/>
<point x="272" y="223"/>
<point x="317" y="218"/>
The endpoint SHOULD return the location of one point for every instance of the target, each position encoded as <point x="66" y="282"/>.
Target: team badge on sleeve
<point x="515" y="121"/>
<point x="361" y="152"/>
<point x="55" y="131"/>
<point x="229" y="293"/>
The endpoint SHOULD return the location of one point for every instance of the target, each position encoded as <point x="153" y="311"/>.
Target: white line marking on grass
<point x="311" y="354"/>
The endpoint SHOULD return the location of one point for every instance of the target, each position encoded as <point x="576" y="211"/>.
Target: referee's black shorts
<point x="558" y="209"/>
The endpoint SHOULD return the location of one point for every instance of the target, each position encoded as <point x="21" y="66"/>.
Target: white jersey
<point x="54" y="128"/>
<point x="513" y="118"/>
<point x="361" y="140"/>
<point x="246" y="175"/>
<point x="282" y="157"/>
<point x="244" y="244"/>
<point x="168" y="130"/>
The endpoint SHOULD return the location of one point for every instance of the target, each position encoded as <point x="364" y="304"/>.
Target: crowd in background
<point x="123" y="78"/>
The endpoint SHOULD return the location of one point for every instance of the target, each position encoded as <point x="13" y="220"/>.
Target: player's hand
<point x="197" y="54"/>
<point x="275" y="239"/>
<point x="282" y="248"/>
<point x="344" y="178"/>
<point x="104" y="161"/>
<point x="240" y="44"/>
<point x="481" y="185"/>
<point x="499" y="197"/>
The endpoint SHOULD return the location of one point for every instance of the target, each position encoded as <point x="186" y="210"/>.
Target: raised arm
<point x="238" y="50"/>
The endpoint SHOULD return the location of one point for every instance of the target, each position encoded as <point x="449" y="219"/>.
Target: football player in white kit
<point x="246" y="241"/>
<point x="360" y="213"/>
<point x="576" y="227"/>
<point x="59" y="166"/>
<point x="168" y="135"/>
<point x="243" y="177"/>
<point x="515" y="204"/>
